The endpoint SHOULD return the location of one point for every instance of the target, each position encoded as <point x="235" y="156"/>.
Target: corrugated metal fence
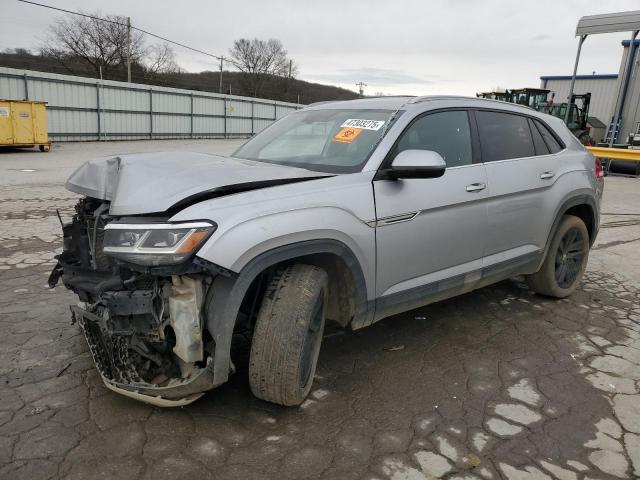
<point x="81" y="108"/>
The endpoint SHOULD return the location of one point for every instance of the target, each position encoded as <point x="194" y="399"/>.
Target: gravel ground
<point x="498" y="383"/>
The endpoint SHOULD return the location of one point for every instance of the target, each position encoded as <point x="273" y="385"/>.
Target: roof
<point x="387" y="103"/>
<point x="608" y="23"/>
<point x="370" y="103"/>
<point x="597" y="76"/>
<point x="408" y="103"/>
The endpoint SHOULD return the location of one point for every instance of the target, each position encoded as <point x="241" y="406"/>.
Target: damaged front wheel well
<point x="342" y="288"/>
<point x="230" y="295"/>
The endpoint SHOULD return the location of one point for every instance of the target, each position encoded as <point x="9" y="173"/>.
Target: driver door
<point x="430" y="233"/>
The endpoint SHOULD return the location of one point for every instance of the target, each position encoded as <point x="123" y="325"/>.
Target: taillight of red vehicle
<point x="599" y="170"/>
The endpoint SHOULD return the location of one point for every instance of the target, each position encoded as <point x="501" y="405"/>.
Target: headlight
<point x="155" y="244"/>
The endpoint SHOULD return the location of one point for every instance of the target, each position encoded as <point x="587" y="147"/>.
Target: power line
<point x="160" y="37"/>
<point x="73" y="13"/>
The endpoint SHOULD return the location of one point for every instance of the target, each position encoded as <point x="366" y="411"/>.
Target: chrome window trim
<point x="522" y="158"/>
<point x="464" y="166"/>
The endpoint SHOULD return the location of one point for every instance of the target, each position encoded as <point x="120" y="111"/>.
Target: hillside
<point x="273" y="88"/>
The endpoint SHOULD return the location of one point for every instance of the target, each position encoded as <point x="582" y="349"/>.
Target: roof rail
<point x="428" y="98"/>
<point x="321" y="103"/>
<point x="387" y="96"/>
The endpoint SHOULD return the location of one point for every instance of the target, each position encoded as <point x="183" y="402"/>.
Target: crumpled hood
<point x="145" y="183"/>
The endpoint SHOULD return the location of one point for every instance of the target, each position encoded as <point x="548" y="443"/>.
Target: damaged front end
<point x="143" y="297"/>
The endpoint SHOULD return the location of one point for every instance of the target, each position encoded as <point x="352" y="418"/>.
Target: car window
<point x="538" y="142"/>
<point x="303" y="140"/>
<point x="550" y="140"/>
<point x="447" y="133"/>
<point x="324" y="140"/>
<point x="504" y="136"/>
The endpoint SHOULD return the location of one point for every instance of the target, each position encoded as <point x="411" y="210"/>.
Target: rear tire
<point x="565" y="262"/>
<point x="287" y="336"/>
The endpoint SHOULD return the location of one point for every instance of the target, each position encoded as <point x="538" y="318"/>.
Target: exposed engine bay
<point x="144" y="324"/>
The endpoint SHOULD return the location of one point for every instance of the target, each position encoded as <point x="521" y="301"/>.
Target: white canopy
<point x="608" y="23"/>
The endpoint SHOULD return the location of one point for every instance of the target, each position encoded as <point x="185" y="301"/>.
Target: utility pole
<point x="129" y="49"/>
<point x="290" y="67"/>
<point x="361" y="86"/>
<point x="220" y="85"/>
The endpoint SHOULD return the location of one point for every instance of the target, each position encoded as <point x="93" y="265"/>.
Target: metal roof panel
<point x="609" y="22"/>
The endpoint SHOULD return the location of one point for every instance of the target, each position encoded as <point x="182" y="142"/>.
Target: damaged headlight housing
<point x="155" y="244"/>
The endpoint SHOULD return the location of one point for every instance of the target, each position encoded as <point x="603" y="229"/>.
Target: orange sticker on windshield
<point x="347" y="135"/>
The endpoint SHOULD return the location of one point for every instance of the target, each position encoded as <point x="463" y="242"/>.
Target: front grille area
<point x="110" y="353"/>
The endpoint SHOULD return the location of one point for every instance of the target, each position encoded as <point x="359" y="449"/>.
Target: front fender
<point x="235" y="246"/>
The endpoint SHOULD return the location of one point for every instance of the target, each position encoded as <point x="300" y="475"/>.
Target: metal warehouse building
<point x="604" y="90"/>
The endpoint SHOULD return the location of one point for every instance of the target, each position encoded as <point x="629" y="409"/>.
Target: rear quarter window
<point x="549" y="139"/>
<point x="538" y="141"/>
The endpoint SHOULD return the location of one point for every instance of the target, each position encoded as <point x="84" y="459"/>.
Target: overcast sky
<point x="396" y="47"/>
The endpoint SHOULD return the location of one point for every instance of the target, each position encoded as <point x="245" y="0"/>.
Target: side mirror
<point x="417" y="164"/>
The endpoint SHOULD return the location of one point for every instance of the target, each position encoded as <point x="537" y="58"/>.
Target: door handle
<point x="547" y="175"/>
<point x="476" y="187"/>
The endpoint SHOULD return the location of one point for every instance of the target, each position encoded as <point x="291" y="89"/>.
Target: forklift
<point x="529" y="97"/>
<point x="502" y="96"/>
<point x="536" y="98"/>
<point x="578" y="115"/>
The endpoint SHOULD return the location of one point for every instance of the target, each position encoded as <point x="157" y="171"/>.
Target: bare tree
<point x="97" y="43"/>
<point x="160" y="59"/>
<point x="257" y="59"/>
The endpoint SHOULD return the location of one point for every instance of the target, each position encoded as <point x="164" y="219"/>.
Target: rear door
<point x="430" y="232"/>
<point x="519" y="154"/>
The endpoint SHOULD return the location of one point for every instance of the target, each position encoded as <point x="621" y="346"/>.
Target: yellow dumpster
<point x="24" y="124"/>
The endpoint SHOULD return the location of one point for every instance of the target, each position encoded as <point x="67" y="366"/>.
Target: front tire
<point x="287" y="336"/>
<point x="565" y="262"/>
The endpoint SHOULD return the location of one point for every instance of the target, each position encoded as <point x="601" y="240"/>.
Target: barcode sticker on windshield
<point x="364" y="124"/>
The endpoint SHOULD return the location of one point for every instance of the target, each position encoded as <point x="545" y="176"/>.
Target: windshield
<point x="334" y="141"/>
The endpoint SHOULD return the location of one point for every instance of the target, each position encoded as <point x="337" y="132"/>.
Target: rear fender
<point x="576" y="199"/>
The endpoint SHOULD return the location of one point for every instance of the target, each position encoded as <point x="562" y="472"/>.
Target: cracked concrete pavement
<point x="498" y="383"/>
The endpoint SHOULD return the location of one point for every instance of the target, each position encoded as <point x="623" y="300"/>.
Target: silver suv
<point x="343" y="211"/>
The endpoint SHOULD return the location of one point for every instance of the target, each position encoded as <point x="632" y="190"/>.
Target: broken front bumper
<point x="110" y="355"/>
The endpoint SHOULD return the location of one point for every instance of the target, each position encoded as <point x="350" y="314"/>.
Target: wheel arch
<point x="587" y="214"/>
<point x="346" y="284"/>
<point x="583" y="206"/>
